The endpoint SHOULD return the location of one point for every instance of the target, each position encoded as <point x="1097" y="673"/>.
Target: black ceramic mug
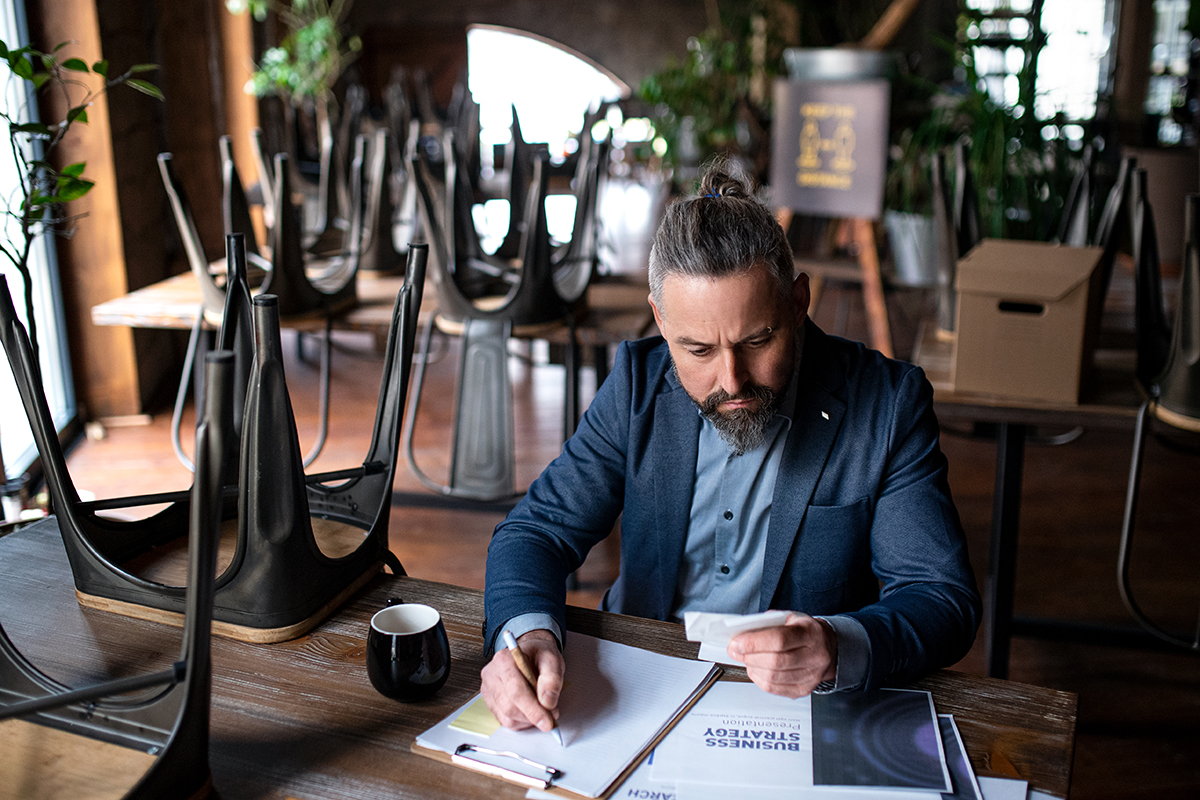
<point x="408" y="654"/>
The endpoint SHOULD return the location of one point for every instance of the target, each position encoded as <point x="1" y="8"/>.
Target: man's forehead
<point x="750" y="294"/>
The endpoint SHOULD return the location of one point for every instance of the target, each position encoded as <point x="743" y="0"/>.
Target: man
<point x="758" y="463"/>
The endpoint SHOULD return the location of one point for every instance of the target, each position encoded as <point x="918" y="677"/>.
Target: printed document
<point x="739" y="735"/>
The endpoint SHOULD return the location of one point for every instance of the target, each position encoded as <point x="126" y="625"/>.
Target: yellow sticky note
<point x="477" y="719"/>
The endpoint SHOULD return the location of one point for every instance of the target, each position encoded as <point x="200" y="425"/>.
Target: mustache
<point x="749" y="392"/>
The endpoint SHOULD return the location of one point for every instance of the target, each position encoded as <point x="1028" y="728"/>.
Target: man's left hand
<point x="790" y="659"/>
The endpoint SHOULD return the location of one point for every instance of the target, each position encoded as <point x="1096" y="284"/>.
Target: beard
<point x="743" y="429"/>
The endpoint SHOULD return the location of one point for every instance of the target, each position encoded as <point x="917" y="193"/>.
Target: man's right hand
<point x="508" y="695"/>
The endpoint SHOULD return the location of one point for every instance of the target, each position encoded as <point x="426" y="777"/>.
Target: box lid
<point x="1025" y="270"/>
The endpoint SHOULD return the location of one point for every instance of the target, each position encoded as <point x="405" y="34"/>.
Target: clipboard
<point x="595" y="769"/>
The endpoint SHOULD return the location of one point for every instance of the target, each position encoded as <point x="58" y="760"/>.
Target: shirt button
<point x="724" y="569"/>
<point x="728" y="514"/>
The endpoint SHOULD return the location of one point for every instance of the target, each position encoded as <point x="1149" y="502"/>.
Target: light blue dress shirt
<point x="726" y="543"/>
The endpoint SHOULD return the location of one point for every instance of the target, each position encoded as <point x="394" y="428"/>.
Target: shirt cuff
<point x="853" y="658"/>
<point x="535" y="621"/>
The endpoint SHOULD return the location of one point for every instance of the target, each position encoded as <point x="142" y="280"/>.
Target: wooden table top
<point x="300" y="719"/>
<point x="617" y="308"/>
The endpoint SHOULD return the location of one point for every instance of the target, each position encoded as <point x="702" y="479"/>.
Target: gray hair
<point x="723" y="231"/>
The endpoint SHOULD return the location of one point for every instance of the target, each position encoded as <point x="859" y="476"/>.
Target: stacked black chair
<point x="1150" y="317"/>
<point x="966" y="201"/>
<point x="379" y="255"/>
<point x="947" y="244"/>
<point x="1076" y="217"/>
<point x="482" y="298"/>
<point x="279" y="583"/>
<point x="1174" y="401"/>
<point x="166" y="711"/>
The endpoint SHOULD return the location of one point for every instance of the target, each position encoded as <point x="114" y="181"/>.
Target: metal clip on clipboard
<point x="523" y="778"/>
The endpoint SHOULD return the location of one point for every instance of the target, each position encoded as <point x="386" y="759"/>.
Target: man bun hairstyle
<point x="723" y="231"/>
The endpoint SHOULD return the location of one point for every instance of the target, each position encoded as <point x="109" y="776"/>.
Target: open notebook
<point x="617" y="702"/>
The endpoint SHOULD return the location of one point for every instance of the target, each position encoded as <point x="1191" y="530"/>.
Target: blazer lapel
<point x="816" y="418"/>
<point x="676" y="440"/>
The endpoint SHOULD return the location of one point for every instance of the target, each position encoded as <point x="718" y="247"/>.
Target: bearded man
<point x="756" y="463"/>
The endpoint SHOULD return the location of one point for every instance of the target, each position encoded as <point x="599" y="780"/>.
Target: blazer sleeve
<point x="571" y="506"/>
<point x="929" y="607"/>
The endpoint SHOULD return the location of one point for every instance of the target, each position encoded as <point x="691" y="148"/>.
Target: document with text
<point x="739" y="735"/>
<point x="616" y="702"/>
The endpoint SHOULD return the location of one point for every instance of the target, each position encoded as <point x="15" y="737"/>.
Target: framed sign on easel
<point x="828" y="158"/>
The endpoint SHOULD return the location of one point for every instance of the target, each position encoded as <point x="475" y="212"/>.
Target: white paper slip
<point x="615" y="702"/>
<point x="966" y="786"/>
<point x="1003" y="788"/>
<point x="714" y="631"/>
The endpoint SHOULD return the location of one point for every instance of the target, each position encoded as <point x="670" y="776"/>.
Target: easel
<point x="859" y="233"/>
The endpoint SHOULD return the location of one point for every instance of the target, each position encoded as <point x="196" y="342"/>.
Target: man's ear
<point x="801" y="295"/>
<point x="657" y="316"/>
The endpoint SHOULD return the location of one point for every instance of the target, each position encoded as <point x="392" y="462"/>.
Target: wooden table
<point x="617" y="308"/>
<point x="299" y="719"/>
<point x="1109" y="400"/>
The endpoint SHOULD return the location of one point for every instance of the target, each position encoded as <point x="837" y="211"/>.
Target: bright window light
<point x="551" y="87"/>
<point x="1069" y="65"/>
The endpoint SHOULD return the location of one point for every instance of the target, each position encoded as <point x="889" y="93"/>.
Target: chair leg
<point x="323" y="398"/>
<point x="410" y="414"/>
<point x="181" y="395"/>
<point x="1123" y="555"/>
<point x="482" y="459"/>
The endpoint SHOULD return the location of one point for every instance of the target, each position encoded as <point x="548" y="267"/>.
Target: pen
<point x="526" y="670"/>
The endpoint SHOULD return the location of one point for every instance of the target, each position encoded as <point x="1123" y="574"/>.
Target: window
<point x="1067" y="44"/>
<point x="1169" y="59"/>
<point x="551" y="88"/>
<point x="16" y="439"/>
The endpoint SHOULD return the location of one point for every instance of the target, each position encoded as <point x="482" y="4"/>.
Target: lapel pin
<point x="825" y="414"/>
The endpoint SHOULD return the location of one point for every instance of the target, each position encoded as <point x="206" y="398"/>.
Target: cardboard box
<point x="1026" y="319"/>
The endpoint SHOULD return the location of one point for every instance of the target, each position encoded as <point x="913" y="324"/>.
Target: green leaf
<point x="22" y="67"/>
<point x="146" y="88"/>
<point x="71" y="189"/>
<point x="74" y="170"/>
<point x="76" y="64"/>
<point x="32" y="127"/>
<point x="39" y="79"/>
<point x="77" y="114"/>
<point x="3" y="49"/>
<point x="49" y="62"/>
<point x="60" y="46"/>
<point x="136" y="68"/>
<point x="101" y="68"/>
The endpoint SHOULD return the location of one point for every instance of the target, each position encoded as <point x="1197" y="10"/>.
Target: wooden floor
<point x="1139" y="713"/>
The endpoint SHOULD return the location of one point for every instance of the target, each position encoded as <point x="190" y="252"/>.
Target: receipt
<point x="714" y="631"/>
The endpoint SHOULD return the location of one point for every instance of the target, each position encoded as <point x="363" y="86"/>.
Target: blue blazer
<point x="862" y="522"/>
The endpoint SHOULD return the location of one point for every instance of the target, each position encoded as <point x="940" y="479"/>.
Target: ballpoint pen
<point x="522" y="663"/>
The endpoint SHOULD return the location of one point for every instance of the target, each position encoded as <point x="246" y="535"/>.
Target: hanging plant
<point x="313" y="54"/>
